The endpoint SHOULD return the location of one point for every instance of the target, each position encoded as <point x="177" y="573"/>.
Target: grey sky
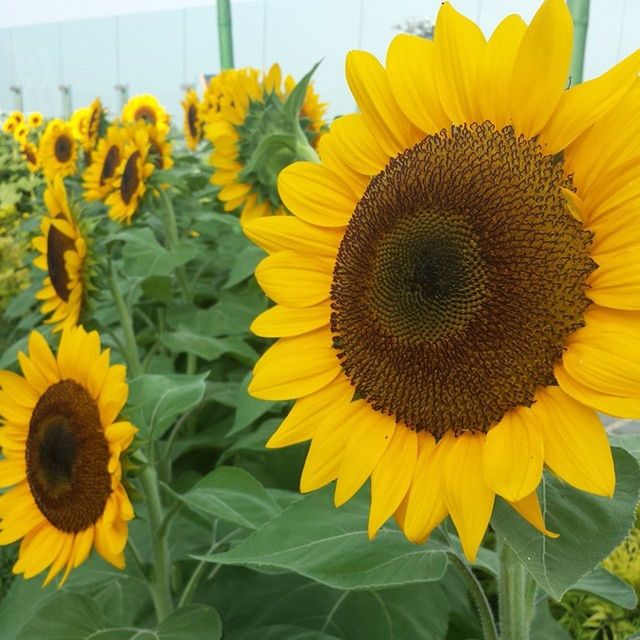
<point x="156" y="45"/>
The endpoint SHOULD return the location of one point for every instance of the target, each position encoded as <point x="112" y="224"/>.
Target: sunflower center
<point x="111" y="161"/>
<point x="130" y="178"/>
<point x="458" y="280"/>
<point x="62" y="148"/>
<point x="145" y="113"/>
<point x="67" y="457"/>
<point x="192" y="119"/>
<point x="58" y="243"/>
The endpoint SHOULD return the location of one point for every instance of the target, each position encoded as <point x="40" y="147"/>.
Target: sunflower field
<point x="265" y="375"/>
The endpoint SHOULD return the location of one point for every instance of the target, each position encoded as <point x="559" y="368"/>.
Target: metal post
<point x="123" y="93"/>
<point x="580" y="13"/>
<point x="17" y="97"/>
<point x="224" y="34"/>
<point x="67" y="109"/>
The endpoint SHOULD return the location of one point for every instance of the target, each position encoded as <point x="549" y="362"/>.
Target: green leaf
<point x="331" y="546"/>
<point x="248" y="409"/>
<point x="19" y="603"/>
<point x="233" y="495"/>
<point x="544" y="626"/>
<point x="292" y="106"/>
<point x="244" y="265"/>
<point x="590" y="527"/>
<point x="185" y="341"/>
<point x="158" y="399"/>
<point x="193" y="622"/>
<point x="158" y="288"/>
<point x="609" y="587"/>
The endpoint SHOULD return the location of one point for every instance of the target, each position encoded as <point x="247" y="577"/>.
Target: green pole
<point x="580" y="13"/>
<point x="224" y="34"/>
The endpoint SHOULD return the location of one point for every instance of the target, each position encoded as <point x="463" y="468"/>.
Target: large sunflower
<point x="62" y="250"/>
<point x="458" y="290"/>
<point x="147" y="108"/>
<point x="135" y="168"/>
<point x="100" y="175"/>
<point x="246" y="110"/>
<point x="192" y="119"/>
<point x="62" y="442"/>
<point x="58" y="150"/>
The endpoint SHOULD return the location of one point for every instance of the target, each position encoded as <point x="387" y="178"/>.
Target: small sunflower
<point x="62" y="442"/>
<point x="147" y="108"/>
<point x="17" y="116"/>
<point x="20" y="132"/>
<point x="62" y="250"/>
<point x="248" y="110"/>
<point x="100" y="175"/>
<point x="9" y="125"/>
<point x="35" y="120"/>
<point x="159" y="148"/>
<point x="192" y="120"/>
<point x="130" y="183"/>
<point x="85" y="124"/>
<point x="58" y="150"/>
<point x="458" y="288"/>
<point x="29" y="152"/>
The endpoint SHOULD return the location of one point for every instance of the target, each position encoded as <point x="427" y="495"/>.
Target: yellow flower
<point x="62" y="250"/>
<point x="35" y="120"/>
<point x="20" y="132"/>
<point x="62" y="443"/>
<point x="99" y="177"/>
<point x="135" y="168"/>
<point x="85" y="123"/>
<point x="58" y="150"/>
<point x="244" y="110"/>
<point x="159" y="148"/>
<point x="29" y="152"/>
<point x="146" y="107"/>
<point x="192" y="119"/>
<point x="8" y="125"/>
<point x="458" y="290"/>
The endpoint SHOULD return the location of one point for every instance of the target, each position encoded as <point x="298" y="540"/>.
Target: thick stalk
<point x="131" y="353"/>
<point x="225" y="37"/>
<point x="161" y="585"/>
<point x="478" y="596"/>
<point x="514" y="594"/>
<point x="580" y="14"/>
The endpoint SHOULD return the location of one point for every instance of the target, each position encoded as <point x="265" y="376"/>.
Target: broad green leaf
<point x="544" y="626"/>
<point x="158" y="288"/>
<point x="244" y="266"/>
<point x="248" y="409"/>
<point x="330" y="545"/>
<point x="193" y="622"/>
<point x="590" y="527"/>
<point x="157" y="400"/>
<point x="234" y="495"/>
<point x="609" y="587"/>
<point x="417" y="611"/>
<point x="19" y="603"/>
<point x="185" y="341"/>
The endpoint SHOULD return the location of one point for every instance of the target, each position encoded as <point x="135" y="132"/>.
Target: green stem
<point x="161" y="586"/>
<point x="514" y="594"/>
<point x="478" y="596"/>
<point x="225" y="36"/>
<point x="131" y="353"/>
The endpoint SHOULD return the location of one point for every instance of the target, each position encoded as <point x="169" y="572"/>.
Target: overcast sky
<point x="157" y="45"/>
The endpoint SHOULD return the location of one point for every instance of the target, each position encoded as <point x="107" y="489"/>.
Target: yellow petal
<point x="575" y="442"/>
<point x="327" y="448"/>
<point x="295" y="280"/>
<point x="459" y="47"/>
<point x="332" y="155"/>
<point x="392" y="476"/>
<point x="286" y="233"/>
<point x="425" y="507"/>
<point x="280" y="321"/>
<point x="315" y="194"/>
<point x="616" y="281"/>
<point x="370" y="435"/>
<point x="541" y="67"/>
<point x="513" y="455"/>
<point x="529" y="508"/>
<point x="295" y="367"/>
<point x="494" y="73"/>
<point x="468" y="498"/>
<point x="61" y="559"/>
<point x="369" y="85"/>
<point x="307" y="413"/>
<point x="411" y="69"/>
<point x="12" y="471"/>
<point x="19" y="389"/>
<point x="587" y="103"/>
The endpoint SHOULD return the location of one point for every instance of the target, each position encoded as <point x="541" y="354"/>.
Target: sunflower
<point x="100" y="175"/>
<point x="35" y="120"/>
<point x="20" y="132"/>
<point x="29" y="152"/>
<point x="247" y="110"/>
<point x="146" y="107"/>
<point x="58" y="150"/>
<point x="62" y="444"/>
<point x="457" y="291"/>
<point x="192" y="120"/>
<point x="62" y="250"/>
<point x="159" y="148"/>
<point x="9" y="125"/>
<point x="132" y="173"/>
